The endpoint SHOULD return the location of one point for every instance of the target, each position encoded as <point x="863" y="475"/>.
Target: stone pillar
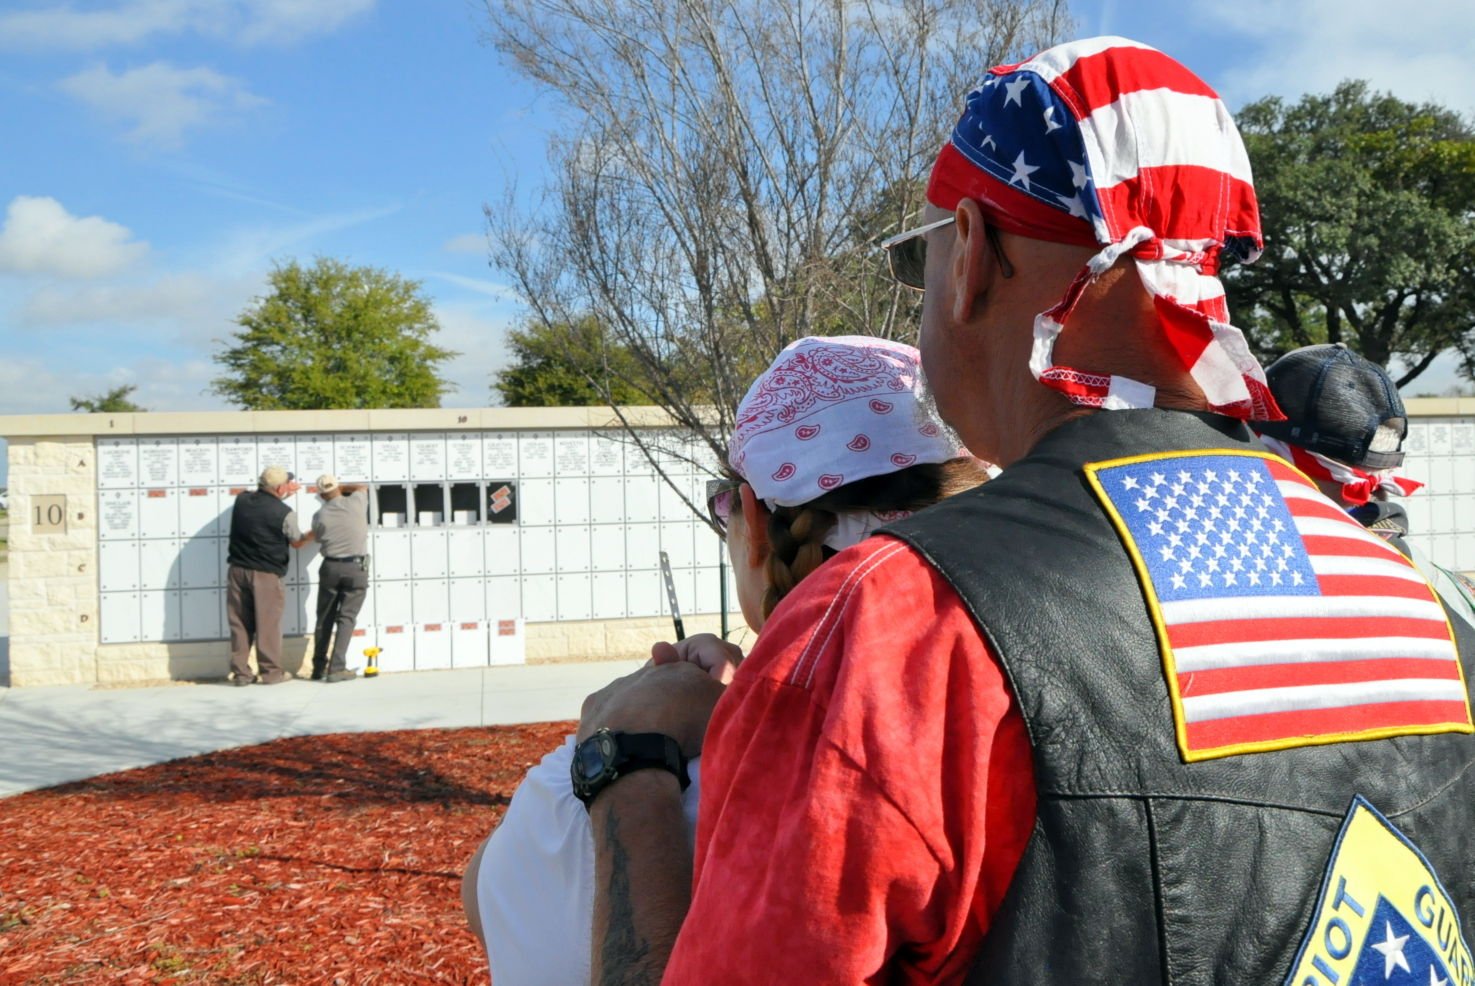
<point x="53" y="575"/>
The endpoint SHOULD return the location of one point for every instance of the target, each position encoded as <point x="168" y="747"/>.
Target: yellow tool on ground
<point x="372" y="653"/>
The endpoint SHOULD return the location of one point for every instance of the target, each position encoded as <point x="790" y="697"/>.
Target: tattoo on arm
<point x="624" y="954"/>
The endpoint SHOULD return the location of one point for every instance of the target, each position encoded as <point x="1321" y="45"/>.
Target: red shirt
<point x="867" y="789"/>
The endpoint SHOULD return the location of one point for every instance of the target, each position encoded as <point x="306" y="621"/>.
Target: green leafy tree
<point x="562" y="364"/>
<point x="1368" y="206"/>
<point x="334" y="336"/>
<point x="115" y="401"/>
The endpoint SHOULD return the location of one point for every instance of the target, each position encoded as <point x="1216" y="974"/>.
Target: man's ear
<point x="971" y="260"/>
<point x="755" y="524"/>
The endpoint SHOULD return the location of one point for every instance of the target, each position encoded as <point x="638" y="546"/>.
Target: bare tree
<point x="727" y="168"/>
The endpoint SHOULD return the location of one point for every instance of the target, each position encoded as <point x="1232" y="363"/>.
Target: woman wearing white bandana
<point x="835" y="439"/>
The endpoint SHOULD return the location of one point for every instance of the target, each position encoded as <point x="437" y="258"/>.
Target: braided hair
<point x="796" y="534"/>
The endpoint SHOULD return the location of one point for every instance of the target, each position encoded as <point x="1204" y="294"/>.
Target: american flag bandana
<point x="1358" y="486"/>
<point x="1280" y="620"/>
<point x="1107" y="141"/>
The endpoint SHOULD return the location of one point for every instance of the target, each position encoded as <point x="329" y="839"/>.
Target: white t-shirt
<point x="535" y="885"/>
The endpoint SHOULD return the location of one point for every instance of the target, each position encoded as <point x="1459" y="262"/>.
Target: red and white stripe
<point x="1371" y="653"/>
<point x="1172" y="179"/>
<point x="1358" y="486"/>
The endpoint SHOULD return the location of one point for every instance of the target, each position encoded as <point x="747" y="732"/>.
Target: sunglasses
<point x="721" y="495"/>
<point x="907" y="253"/>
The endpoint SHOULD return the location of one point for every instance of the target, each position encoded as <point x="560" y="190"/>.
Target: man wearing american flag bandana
<point x="1145" y="708"/>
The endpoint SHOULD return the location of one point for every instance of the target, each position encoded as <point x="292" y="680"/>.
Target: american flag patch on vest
<point x="1281" y="622"/>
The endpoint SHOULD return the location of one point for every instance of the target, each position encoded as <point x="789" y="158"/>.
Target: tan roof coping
<point x="281" y="422"/>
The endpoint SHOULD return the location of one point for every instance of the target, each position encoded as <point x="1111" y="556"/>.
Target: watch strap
<point x="642" y="750"/>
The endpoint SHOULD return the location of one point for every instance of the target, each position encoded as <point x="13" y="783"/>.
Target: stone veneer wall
<point x="53" y="577"/>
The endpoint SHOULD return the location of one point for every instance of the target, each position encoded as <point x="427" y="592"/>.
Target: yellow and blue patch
<point x="1382" y="916"/>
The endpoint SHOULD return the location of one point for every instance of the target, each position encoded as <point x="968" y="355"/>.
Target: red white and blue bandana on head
<point x="1358" y="485"/>
<point x="1109" y="142"/>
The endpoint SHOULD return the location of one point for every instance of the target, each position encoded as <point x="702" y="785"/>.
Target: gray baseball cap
<point x="1339" y="405"/>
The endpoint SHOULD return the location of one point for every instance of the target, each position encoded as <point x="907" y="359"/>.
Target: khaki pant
<point x="254" y="603"/>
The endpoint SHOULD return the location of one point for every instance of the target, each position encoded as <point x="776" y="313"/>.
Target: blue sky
<point x="161" y="154"/>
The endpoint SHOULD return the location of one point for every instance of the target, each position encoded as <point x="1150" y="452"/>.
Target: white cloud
<point x="127" y="22"/>
<point x="466" y="243"/>
<point x="160" y="102"/>
<point x="29" y="386"/>
<point x="282" y="21"/>
<point x="491" y="289"/>
<point x="41" y="237"/>
<point x="255" y="247"/>
<point x="481" y="341"/>
<point x="195" y="307"/>
<point x="1423" y="51"/>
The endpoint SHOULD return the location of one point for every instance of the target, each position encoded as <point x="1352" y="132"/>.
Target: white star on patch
<point x="1050" y="123"/>
<point x="1433" y="979"/>
<point x="1392" y="949"/>
<point x="1130" y="482"/>
<point x="1014" y="89"/>
<point x="1022" y="170"/>
<point x="1077" y="174"/>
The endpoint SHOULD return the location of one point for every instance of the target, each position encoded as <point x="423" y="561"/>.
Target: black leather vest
<point x="257" y="540"/>
<point x="1144" y="869"/>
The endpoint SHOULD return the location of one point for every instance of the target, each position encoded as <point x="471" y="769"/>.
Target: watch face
<point x="589" y="759"/>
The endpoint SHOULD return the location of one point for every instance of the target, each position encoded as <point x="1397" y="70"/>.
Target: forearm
<point x="642" y="870"/>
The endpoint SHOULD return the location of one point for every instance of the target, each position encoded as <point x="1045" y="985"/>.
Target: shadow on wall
<point x="209" y="660"/>
<point x="186" y="613"/>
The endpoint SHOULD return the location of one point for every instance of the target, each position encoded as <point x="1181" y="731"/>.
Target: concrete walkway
<point x="71" y="732"/>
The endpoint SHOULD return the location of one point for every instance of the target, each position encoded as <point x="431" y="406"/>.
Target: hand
<point x="711" y="653"/>
<point x="675" y="699"/>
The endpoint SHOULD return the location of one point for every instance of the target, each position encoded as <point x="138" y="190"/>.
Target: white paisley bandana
<point x="830" y="411"/>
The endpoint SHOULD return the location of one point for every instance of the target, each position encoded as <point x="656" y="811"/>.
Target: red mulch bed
<point x="317" y="860"/>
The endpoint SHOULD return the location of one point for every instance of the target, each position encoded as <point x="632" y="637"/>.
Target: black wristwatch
<point x="605" y="757"/>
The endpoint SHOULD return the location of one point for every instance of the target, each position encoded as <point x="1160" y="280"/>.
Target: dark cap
<point x="1339" y="405"/>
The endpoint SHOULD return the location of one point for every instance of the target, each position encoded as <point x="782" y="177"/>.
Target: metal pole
<point x="722" y="584"/>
